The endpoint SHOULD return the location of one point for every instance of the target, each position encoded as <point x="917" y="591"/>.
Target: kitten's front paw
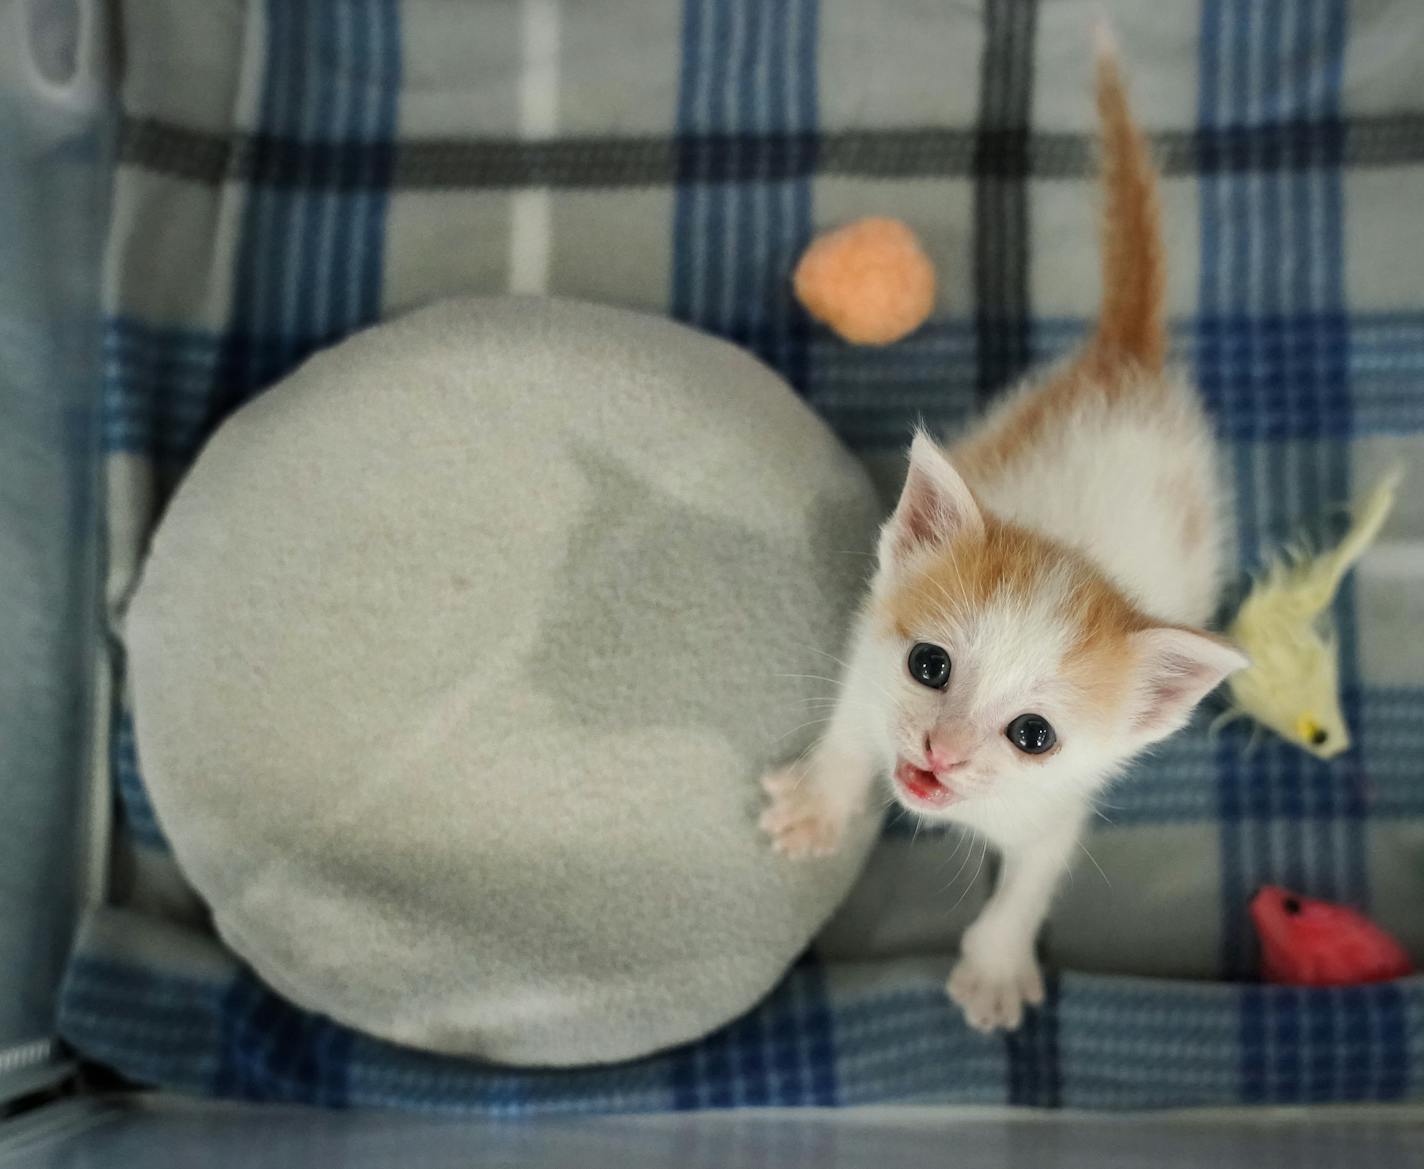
<point x="800" y="820"/>
<point x="993" y="994"/>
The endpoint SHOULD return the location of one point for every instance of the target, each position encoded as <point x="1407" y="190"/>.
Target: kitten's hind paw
<point x="799" y="819"/>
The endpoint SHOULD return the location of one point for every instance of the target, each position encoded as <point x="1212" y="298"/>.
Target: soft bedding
<point x="290" y="172"/>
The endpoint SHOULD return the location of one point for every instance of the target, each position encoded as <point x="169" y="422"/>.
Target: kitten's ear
<point x="1176" y="669"/>
<point x="935" y="506"/>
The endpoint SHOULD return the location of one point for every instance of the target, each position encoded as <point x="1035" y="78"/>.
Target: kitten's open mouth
<point x="922" y="786"/>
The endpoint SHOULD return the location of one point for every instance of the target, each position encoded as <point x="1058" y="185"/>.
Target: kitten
<point x="1032" y="622"/>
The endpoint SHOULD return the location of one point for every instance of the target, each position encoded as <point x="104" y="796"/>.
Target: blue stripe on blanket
<point x="311" y="256"/>
<point x="1034" y="1058"/>
<point x="890" y="1036"/>
<point x="135" y="810"/>
<point x="1259" y="336"/>
<point x="783" y="1053"/>
<point x="310" y="264"/>
<point x="273" y="1052"/>
<point x="1365" y="1029"/>
<point x="747" y="69"/>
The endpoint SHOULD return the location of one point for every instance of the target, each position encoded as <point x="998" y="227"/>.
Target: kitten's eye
<point x="929" y="666"/>
<point x="1031" y="733"/>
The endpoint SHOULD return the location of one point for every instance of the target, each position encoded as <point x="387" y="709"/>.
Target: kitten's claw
<point x="799" y="820"/>
<point x="993" y="998"/>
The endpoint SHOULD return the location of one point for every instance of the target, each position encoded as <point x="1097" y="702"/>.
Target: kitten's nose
<point x="942" y="756"/>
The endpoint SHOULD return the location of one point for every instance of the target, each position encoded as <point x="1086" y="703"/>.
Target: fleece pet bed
<point x="457" y="659"/>
<point x="289" y="172"/>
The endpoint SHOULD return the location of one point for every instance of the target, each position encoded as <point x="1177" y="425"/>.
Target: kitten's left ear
<point x="935" y="505"/>
<point x="1176" y="669"/>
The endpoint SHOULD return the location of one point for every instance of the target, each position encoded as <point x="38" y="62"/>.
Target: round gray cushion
<point x="456" y="660"/>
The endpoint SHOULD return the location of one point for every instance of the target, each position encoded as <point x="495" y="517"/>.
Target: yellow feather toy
<point x="1292" y="685"/>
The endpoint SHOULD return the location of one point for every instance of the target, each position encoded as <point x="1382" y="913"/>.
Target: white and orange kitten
<point x="1033" y="621"/>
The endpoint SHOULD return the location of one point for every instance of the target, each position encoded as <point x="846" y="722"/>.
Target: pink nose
<point x="943" y="756"/>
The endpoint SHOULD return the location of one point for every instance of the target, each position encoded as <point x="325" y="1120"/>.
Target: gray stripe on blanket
<point x="928" y="152"/>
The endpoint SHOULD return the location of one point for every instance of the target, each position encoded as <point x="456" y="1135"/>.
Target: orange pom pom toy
<point x="870" y="281"/>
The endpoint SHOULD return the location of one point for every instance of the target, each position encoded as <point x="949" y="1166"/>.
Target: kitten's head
<point x="1005" y="666"/>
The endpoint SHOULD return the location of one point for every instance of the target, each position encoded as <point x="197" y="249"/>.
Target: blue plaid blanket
<point x="290" y="171"/>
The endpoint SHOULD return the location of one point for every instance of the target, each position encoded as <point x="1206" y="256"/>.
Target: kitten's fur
<point x="1063" y="554"/>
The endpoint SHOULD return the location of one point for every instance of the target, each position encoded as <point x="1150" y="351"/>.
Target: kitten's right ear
<point x="935" y="505"/>
<point x="1176" y="669"/>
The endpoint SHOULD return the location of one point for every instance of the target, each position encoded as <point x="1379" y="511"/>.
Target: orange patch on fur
<point x="1181" y="494"/>
<point x="1095" y="379"/>
<point x="1125" y="358"/>
<point x="1009" y="562"/>
<point x="1133" y="317"/>
<point x="965" y="573"/>
<point x="1194" y="524"/>
<point x="1099" y="662"/>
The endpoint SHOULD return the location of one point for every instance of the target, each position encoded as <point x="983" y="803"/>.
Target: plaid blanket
<point x="289" y="172"/>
